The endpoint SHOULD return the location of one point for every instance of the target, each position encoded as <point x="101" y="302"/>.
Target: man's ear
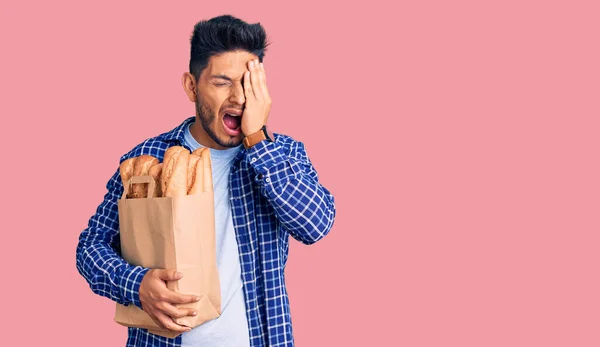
<point x="189" y="85"/>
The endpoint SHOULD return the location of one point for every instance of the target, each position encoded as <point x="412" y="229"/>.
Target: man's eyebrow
<point x="223" y="77"/>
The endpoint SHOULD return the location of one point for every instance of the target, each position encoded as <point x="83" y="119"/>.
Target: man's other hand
<point x="159" y="302"/>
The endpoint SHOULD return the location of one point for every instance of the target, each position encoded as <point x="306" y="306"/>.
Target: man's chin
<point x="230" y="142"/>
<point x="235" y="143"/>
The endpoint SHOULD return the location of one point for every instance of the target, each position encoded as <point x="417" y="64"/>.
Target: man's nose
<point x="237" y="95"/>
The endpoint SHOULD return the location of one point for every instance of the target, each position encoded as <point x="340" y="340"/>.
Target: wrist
<point x="251" y="131"/>
<point x="130" y="284"/>
<point x="262" y="134"/>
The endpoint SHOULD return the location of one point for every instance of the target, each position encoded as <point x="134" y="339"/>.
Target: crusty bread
<point x="126" y="170"/>
<point x="198" y="151"/>
<point x="174" y="171"/>
<point x="202" y="181"/>
<point x="208" y="183"/>
<point x="156" y="171"/>
<point x="142" y="166"/>
<point x="191" y="177"/>
<point x="198" y="181"/>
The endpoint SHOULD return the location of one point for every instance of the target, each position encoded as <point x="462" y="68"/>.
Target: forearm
<point x="97" y="260"/>
<point x="107" y="273"/>
<point x="289" y="182"/>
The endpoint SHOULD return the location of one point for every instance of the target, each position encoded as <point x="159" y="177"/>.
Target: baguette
<point x="191" y="177"/>
<point x="156" y="171"/>
<point x="142" y="166"/>
<point x="198" y="181"/>
<point x="174" y="171"/>
<point x="126" y="170"/>
<point x="207" y="169"/>
<point x="199" y="151"/>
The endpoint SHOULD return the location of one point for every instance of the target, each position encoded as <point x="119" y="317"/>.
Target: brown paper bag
<point x="171" y="233"/>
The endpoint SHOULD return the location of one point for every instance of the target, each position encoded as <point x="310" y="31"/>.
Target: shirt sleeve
<point x="98" y="252"/>
<point x="290" y="183"/>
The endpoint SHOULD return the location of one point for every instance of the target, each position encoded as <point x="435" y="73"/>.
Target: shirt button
<point x="268" y="179"/>
<point x="253" y="160"/>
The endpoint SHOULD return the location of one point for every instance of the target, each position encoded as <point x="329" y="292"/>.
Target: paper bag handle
<point x="140" y="179"/>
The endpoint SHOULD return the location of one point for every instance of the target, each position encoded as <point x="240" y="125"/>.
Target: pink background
<point x="460" y="140"/>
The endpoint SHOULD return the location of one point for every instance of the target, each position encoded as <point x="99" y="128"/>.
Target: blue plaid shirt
<point x="274" y="193"/>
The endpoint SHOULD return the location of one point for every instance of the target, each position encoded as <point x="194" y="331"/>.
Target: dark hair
<point x="224" y="34"/>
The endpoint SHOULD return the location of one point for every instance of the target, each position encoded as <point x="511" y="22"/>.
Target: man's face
<point x="220" y="100"/>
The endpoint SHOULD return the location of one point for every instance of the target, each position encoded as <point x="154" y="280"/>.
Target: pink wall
<point x="460" y="140"/>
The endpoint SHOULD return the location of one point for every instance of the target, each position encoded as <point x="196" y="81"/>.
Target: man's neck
<point x="202" y="137"/>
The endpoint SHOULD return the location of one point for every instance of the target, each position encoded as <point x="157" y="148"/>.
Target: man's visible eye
<point x="221" y="84"/>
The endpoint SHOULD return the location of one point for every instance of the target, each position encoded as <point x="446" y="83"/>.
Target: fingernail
<point x="196" y="298"/>
<point x="251" y="63"/>
<point x="178" y="274"/>
<point x="194" y="313"/>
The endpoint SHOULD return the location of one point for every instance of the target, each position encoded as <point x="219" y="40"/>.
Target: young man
<point x="265" y="187"/>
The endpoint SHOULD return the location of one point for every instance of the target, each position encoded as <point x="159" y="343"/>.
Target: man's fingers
<point x="168" y="323"/>
<point x="262" y="69"/>
<point x="177" y="298"/>
<point x="150" y="311"/>
<point x="263" y="82"/>
<point x="255" y="80"/>
<point x="168" y="275"/>
<point x="248" y="86"/>
<point x="157" y="321"/>
<point x="177" y="312"/>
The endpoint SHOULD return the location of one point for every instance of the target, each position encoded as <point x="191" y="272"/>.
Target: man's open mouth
<point x="232" y="123"/>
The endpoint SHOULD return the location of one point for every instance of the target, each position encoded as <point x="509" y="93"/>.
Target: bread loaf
<point x="198" y="172"/>
<point x="202" y="181"/>
<point x="142" y="166"/>
<point x="174" y="171"/>
<point x="198" y="151"/>
<point x="156" y="171"/>
<point x="191" y="177"/>
<point x="180" y="173"/>
<point x="208" y="183"/>
<point x="126" y="170"/>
